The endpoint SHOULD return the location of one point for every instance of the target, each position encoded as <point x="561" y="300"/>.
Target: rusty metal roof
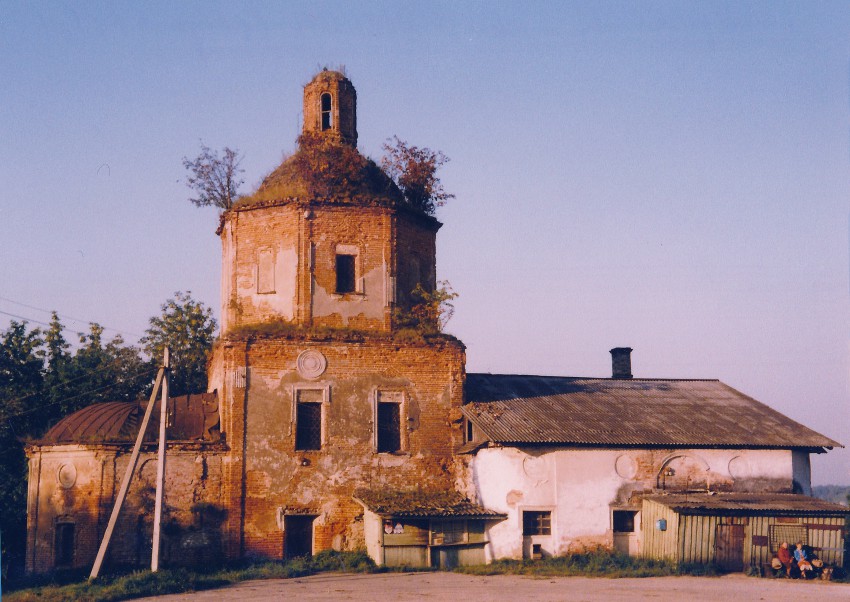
<point x="514" y="409"/>
<point x="418" y="504"/>
<point x="756" y="503"/>
<point x="191" y="418"/>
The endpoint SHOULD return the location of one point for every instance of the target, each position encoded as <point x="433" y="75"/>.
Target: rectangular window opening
<point x="388" y="414"/>
<point x="469" y="433"/>
<point x="624" y="521"/>
<point x="345" y="273"/>
<point x="64" y="544"/>
<point x="308" y="426"/>
<point x="536" y="522"/>
<point x="389" y="427"/>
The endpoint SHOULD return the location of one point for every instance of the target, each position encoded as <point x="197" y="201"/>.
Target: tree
<point x="21" y="378"/>
<point x="430" y="311"/>
<point x="187" y="327"/>
<point x="214" y="179"/>
<point x="414" y="170"/>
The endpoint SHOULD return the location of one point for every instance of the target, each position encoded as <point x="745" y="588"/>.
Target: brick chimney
<point x="621" y="362"/>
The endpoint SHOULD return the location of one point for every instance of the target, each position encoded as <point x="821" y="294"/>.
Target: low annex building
<point x="571" y="461"/>
<point x="332" y="424"/>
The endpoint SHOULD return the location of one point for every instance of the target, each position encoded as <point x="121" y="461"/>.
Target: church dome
<point x="323" y="169"/>
<point x="191" y="417"/>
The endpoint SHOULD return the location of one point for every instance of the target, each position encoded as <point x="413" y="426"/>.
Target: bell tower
<point x="330" y="107"/>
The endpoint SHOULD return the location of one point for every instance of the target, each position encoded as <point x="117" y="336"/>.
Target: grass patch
<point x="111" y="588"/>
<point x="597" y="563"/>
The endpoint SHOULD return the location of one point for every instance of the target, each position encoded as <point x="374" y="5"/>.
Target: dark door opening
<point x="298" y="535"/>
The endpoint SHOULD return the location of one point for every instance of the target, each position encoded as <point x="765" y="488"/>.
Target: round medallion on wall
<point x="67" y="475"/>
<point x="311" y="364"/>
<point x="625" y="466"/>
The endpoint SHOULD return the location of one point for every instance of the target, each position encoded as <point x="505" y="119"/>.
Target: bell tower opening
<point x="330" y="107"/>
<point x="326" y="112"/>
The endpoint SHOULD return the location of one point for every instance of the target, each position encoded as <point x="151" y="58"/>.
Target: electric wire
<point x="64" y="316"/>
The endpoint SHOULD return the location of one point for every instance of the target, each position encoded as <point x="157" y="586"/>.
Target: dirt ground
<point x="400" y="587"/>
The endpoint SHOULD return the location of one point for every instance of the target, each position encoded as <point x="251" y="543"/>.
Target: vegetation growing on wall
<point x="429" y="311"/>
<point x="325" y="168"/>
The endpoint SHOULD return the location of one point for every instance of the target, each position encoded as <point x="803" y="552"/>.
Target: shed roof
<point x="516" y="409"/>
<point x="191" y="418"/>
<point x="744" y="503"/>
<point x="418" y="504"/>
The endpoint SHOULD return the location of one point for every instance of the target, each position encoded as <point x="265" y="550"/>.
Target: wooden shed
<point x="739" y="530"/>
<point x="424" y="529"/>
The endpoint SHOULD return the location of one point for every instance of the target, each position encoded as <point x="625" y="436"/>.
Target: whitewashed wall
<point x="580" y="487"/>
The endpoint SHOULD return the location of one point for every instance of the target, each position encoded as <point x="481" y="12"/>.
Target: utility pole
<point x="160" y="465"/>
<point x="125" y="482"/>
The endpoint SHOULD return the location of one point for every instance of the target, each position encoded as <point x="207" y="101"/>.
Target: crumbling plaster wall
<point x="280" y="480"/>
<point x="259" y="265"/>
<point x="279" y="264"/>
<point x="581" y="486"/>
<point x="78" y="484"/>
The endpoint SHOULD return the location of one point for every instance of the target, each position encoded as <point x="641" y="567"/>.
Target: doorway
<point x="298" y="535"/>
<point x="729" y="547"/>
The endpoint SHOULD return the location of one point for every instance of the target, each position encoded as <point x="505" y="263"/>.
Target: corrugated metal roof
<point x="119" y="421"/>
<point x="418" y="504"/>
<point x="784" y="503"/>
<point x="628" y="412"/>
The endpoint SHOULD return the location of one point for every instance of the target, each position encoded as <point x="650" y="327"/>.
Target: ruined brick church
<point x="323" y="428"/>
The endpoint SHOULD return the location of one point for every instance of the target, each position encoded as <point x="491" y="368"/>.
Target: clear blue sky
<point x="667" y="176"/>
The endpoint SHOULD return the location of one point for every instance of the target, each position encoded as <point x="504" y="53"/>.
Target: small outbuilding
<point x="421" y="529"/>
<point x="740" y="530"/>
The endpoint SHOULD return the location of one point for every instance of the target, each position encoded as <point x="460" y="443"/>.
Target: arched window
<point x="326" y="111"/>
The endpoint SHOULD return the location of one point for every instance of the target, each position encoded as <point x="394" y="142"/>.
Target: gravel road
<point x="400" y="587"/>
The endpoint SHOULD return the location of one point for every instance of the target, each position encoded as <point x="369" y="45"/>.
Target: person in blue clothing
<point x="802" y="558"/>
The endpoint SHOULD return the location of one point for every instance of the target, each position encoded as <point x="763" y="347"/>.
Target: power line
<point x="66" y="317"/>
<point x="72" y="397"/>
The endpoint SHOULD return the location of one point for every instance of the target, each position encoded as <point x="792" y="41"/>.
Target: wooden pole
<point x="125" y="482"/>
<point x="160" y="466"/>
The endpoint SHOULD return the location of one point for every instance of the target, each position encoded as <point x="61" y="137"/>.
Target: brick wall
<point x="280" y="480"/>
<point x="193" y="475"/>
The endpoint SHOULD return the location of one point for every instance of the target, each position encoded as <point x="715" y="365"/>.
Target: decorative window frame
<point x="326" y="401"/>
<point x="403" y="426"/>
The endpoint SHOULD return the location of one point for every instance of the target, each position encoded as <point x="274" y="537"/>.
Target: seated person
<point x="802" y="558"/>
<point x="784" y="557"/>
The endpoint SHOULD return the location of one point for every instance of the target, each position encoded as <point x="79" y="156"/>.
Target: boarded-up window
<point x="345" y="273"/>
<point x="536" y="522"/>
<point x="64" y="544"/>
<point x="265" y="272"/>
<point x="389" y="421"/>
<point x="447" y="532"/>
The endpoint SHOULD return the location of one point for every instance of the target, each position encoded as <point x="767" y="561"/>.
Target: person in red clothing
<point x="784" y="556"/>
